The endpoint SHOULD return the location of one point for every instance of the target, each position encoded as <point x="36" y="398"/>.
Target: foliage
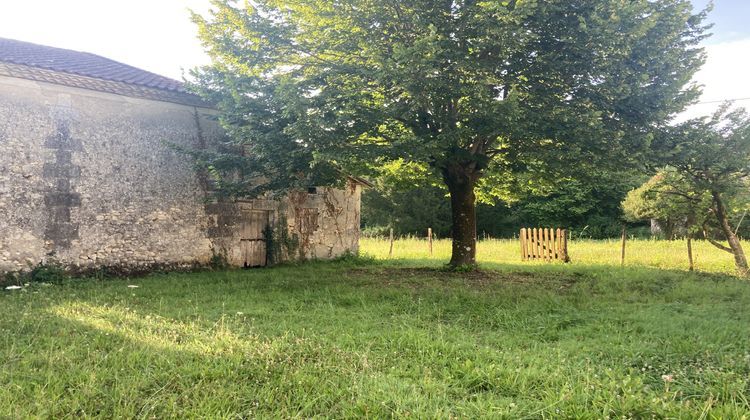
<point x="280" y="245"/>
<point x="352" y="340"/>
<point x="590" y="199"/>
<point x="218" y="261"/>
<point x="711" y="157"/>
<point x="50" y="271"/>
<point x="670" y="200"/>
<point x="476" y="91"/>
<point x="404" y="199"/>
<point x="408" y="202"/>
<point x="710" y="153"/>
<point x="10" y="279"/>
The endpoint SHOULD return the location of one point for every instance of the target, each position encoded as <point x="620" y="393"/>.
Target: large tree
<point x="475" y="90"/>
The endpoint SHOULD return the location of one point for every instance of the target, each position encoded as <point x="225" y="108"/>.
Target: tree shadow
<point x="301" y="340"/>
<point x="112" y="361"/>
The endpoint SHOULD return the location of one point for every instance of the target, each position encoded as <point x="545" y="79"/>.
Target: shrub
<point x="47" y="272"/>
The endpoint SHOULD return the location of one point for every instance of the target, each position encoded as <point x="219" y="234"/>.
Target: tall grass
<point x="494" y="253"/>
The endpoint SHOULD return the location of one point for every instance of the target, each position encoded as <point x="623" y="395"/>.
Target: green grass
<point x="499" y="253"/>
<point x="373" y="338"/>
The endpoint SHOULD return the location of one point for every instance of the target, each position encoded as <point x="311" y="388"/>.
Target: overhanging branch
<point x="713" y="242"/>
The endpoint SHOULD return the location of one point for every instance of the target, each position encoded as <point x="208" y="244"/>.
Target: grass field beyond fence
<point x="498" y="253"/>
<point x="379" y="338"/>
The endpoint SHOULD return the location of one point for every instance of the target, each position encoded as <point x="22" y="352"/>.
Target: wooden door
<point x="252" y="237"/>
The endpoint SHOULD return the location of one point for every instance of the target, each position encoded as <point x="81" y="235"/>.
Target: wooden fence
<point x="544" y="244"/>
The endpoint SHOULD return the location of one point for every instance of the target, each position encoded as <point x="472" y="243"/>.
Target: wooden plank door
<point x="252" y="237"/>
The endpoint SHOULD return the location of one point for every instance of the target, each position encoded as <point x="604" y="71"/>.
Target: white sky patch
<point x="724" y="76"/>
<point x="154" y="35"/>
<point x="157" y="35"/>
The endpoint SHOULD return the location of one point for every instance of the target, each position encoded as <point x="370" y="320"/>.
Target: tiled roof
<point x="85" y="70"/>
<point x="81" y="63"/>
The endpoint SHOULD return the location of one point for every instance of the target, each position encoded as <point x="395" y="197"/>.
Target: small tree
<point x="669" y="200"/>
<point x="710" y="158"/>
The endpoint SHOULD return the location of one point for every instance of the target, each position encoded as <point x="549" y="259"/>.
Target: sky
<point x="724" y="76"/>
<point x="154" y="35"/>
<point x="157" y="35"/>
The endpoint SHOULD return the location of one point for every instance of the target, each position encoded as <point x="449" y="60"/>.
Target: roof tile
<point x="83" y="64"/>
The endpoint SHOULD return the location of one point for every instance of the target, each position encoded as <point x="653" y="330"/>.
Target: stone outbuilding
<point x="90" y="176"/>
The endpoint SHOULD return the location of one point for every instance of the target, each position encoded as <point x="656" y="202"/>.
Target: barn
<point x="90" y="176"/>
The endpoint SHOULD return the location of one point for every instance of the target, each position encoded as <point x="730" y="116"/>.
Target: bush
<point x="47" y="272"/>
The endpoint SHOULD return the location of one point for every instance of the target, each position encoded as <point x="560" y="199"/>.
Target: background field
<point x="499" y="253"/>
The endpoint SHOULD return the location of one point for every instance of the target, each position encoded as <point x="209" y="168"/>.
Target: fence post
<point x="390" y="250"/>
<point x="624" y="238"/>
<point x="550" y="241"/>
<point x="538" y="240"/>
<point x="555" y="244"/>
<point x="530" y="245"/>
<point x="429" y="238"/>
<point x="690" y="251"/>
<point x="542" y="251"/>
<point x="522" y="235"/>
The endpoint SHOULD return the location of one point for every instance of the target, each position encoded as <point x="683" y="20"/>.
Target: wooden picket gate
<point x="544" y="244"/>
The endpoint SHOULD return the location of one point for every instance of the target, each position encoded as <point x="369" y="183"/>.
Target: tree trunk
<point x="461" y="182"/>
<point x="624" y="238"/>
<point x="655" y="227"/>
<point x="669" y="229"/>
<point x="734" y="243"/>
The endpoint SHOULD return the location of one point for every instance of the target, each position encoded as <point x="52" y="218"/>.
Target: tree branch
<point x="713" y="242"/>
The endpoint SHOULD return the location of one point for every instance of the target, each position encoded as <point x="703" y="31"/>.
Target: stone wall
<point x="90" y="179"/>
<point x="327" y="222"/>
<point x="303" y="226"/>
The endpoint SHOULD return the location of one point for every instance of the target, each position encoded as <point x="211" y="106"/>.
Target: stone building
<point x="89" y="176"/>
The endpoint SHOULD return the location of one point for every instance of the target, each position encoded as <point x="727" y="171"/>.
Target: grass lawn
<point x="505" y="253"/>
<point x="374" y="338"/>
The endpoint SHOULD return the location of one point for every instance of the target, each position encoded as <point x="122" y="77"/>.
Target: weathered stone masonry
<point x="88" y="178"/>
<point x="60" y="199"/>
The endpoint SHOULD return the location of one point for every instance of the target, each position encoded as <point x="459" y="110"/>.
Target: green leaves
<point x="712" y="152"/>
<point x="669" y="198"/>
<point x="706" y="158"/>
<point x="495" y="88"/>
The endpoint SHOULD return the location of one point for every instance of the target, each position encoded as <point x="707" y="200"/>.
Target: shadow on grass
<point x="319" y="279"/>
<point x="109" y="361"/>
<point x="376" y="338"/>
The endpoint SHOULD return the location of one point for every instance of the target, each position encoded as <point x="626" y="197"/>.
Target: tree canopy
<point x="408" y="200"/>
<point x="670" y="200"/>
<point x="706" y="179"/>
<point x="476" y="91"/>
